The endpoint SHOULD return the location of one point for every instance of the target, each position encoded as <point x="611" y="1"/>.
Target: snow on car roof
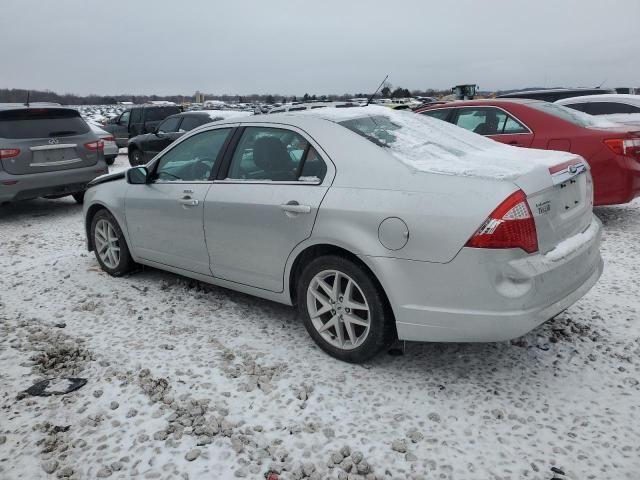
<point x="224" y="114"/>
<point x="608" y="97"/>
<point x="431" y="145"/>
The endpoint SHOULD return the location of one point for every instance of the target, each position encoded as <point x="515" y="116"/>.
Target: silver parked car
<point x="109" y="141"/>
<point x="46" y="151"/>
<point x="377" y="224"/>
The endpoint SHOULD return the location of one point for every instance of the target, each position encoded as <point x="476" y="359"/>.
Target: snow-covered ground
<point x="191" y="381"/>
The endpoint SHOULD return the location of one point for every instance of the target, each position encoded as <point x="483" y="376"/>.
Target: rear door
<point x="46" y="140"/>
<point x="121" y="128"/>
<point x="495" y="123"/>
<point x="164" y="217"/>
<point x="264" y="204"/>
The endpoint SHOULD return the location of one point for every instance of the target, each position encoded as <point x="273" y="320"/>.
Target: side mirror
<point x="138" y="175"/>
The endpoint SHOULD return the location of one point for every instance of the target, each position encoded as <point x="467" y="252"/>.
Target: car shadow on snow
<point x="619" y="216"/>
<point x="37" y="208"/>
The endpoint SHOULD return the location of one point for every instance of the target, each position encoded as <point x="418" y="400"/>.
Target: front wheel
<point x="110" y="245"/>
<point x="343" y="309"/>
<point x="135" y="158"/>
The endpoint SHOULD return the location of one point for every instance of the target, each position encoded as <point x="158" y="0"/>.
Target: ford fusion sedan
<point x="612" y="150"/>
<point x="375" y="224"/>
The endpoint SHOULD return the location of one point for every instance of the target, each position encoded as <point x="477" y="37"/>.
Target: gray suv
<point x="46" y="151"/>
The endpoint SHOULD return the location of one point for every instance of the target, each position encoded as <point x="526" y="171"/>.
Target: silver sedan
<point x="378" y="225"/>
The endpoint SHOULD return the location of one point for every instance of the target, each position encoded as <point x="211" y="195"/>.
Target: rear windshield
<point x="572" y="116"/>
<point x="41" y="123"/>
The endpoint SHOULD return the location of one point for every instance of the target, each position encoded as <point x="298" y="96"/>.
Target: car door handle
<point x="187" y="201"/>
<point x="295" y="207"/>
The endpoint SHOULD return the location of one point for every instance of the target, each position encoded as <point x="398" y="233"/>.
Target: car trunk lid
<point x="45" y="140"/>
<point x="560" y="197"/>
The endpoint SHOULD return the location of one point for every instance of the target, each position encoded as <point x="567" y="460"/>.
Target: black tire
<point x="78" y="197"/>
<point x="110" y="160"/>
<point x="125" y="263"/>
<point x="135" y="157"/>
<point x="382" y="330"/>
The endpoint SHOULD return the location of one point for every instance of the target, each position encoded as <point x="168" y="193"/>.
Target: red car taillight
<point x="628" y="147"/>
<point x="511" y="225"/>
<point x="9" y="152"/>
<point x="99" y="145"/>
<point x="110" y="138"/>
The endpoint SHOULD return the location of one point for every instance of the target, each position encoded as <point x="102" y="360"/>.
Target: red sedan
<point x="612" y="150"/>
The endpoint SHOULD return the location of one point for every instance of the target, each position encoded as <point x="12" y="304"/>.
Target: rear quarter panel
<point x="441" y="216"/>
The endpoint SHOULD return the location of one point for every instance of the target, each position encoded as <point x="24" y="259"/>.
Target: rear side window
<point x="160" y="113"/>
<point x="136" y="115"/>
<point x="608" y="108"/>
<point x="41" y="123"/>
<point x="489" y="121"/>
<point x="275" y="154"/>
<point x="439" y="113"/>
<point x="582" y="107"/>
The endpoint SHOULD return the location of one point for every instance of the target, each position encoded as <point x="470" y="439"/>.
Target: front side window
<point x="275" y="154"/>
<point x="439" y="113"/>
<point x="189" y="123"/>
<point x="169" y="125"/>
<point x="489" y="121"/>
<point x="194" y="159"/>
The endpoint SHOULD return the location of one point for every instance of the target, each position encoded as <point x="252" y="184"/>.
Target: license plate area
<point x="571" y="193"/>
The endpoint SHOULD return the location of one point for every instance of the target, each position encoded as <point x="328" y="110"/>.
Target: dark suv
<point x="46" y="151"/>
<point x="138" y="120"/>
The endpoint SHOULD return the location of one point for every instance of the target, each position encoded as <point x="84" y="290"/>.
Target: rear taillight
<point x="511" y="225"/>
<point x="110" y="138"/>
<point x="99" y="146"/>
<point x="9" y="152"/>
<point x="628" y="147"/>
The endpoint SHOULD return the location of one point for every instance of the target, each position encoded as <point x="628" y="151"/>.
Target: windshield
<point x="572" y="116"/>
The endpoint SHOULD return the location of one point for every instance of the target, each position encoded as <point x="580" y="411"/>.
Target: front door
<point x="264" y="205"/>
<point x="164" y="218"/>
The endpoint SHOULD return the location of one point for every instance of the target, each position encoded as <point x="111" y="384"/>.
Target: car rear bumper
<point x="57" y="183"/>
<point x="488" y="295"/>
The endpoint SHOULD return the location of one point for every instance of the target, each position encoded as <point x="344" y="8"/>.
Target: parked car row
<point x="611" y="149"/>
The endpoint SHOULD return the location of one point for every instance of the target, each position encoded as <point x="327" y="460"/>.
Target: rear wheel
<point x="109" y="244"/>
<point x="78" y="197"/>
<point x="135" y="157"/>
<point x="343" y="309"/>
<point x="110" y="160"/>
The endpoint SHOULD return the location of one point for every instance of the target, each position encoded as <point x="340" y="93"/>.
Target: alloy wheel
<point x="338" y="309"/>
<point x="107" y="244"/>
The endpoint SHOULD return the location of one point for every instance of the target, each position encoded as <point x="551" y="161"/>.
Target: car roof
<point x="39" y="105"/>
<point x="479" y="101"/>
<point x="555" y="90"/>
<point x="608" y="97"/>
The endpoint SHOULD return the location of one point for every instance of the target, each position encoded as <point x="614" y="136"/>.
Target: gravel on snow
<point x="186" y="380"/>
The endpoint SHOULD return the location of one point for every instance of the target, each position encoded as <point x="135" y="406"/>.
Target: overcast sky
<point x="322" y="46"/>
